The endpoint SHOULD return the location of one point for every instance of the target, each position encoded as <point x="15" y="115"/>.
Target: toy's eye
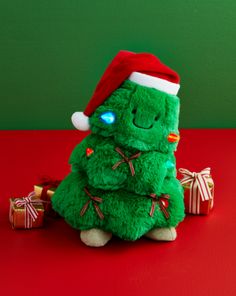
<point x="134" y="111"/>
<point x="108" y="117"/>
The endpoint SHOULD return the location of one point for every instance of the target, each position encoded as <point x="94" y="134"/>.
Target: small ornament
<point x="165" y="202"/>
<point x="89" y="151"/>
<point x="108" y="117"/>
<point x="173" y="138"/>
<point x="169" y="164"/>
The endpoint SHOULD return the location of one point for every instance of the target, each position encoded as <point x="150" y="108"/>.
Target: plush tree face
<point x="141" y="118"/>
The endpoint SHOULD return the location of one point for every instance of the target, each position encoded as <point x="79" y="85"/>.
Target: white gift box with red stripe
<point x="198" y="191"/>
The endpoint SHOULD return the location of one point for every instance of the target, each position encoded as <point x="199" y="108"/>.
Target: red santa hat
<point x="142" y="68"/>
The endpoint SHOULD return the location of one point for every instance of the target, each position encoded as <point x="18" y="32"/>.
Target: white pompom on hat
<point x="142" y="68"/>
<point x="80" y="121"/>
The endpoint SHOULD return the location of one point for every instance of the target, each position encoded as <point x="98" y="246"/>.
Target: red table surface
<point x="53" y="261"/>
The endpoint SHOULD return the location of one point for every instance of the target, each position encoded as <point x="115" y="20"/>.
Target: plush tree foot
<point x="95" y="237"/>
<point x="162" y="234"/>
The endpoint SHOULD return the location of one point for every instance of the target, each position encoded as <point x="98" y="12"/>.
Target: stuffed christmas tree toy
<point x="123" y="175"/>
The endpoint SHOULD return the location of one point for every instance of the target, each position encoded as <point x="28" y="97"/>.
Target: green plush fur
<point x="144" y="118"/>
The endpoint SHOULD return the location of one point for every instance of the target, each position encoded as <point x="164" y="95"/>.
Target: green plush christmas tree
<point x="123" y="175"/>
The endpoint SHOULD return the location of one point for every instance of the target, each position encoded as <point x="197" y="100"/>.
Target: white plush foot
<point x="162" y="234"/>
<point x="95" y="237"/>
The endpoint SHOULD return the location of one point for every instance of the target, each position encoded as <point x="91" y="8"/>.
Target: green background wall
<point x="52" y="54"/>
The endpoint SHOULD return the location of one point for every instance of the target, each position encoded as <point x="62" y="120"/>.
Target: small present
<point x="45" y="191"/>
<point x="198" y="191"/>
<point x="26" y="212"/>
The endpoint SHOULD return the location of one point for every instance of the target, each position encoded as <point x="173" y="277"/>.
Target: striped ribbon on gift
<point x="199" y="189"/>
<point x="28" y="203"/>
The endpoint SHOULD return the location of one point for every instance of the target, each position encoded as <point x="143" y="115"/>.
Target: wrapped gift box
<point x="198" y="191"/>
<point x="45" y="191"/>
<point x="194" y="204"/>
<point x="26" y="213"/>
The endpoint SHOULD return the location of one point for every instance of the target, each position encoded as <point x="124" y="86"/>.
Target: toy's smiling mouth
<point x="142" y="126"/>
<point x="149" y="123"/>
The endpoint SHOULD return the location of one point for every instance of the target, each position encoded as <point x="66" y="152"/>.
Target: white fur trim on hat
<point x="155" y="82"/>
<point x="80" y="121"/>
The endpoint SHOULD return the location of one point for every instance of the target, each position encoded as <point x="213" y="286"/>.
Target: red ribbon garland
<point x="127" y="160"/>
<point x="160" y="200"/>
<point x="92" y="199"/>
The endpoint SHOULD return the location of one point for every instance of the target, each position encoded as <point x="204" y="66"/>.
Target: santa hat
<point x="142" y="68"/>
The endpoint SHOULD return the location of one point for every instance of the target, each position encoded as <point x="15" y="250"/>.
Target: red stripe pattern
<point x="162" y="201"/>
<point x="199" y="189"/>
<point x="126" y="160"/>
<point x="94" y="200"/>
<point x="31" y="213"/>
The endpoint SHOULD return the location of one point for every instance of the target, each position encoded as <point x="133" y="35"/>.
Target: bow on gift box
<point x="199" y="188"/>
<point x="28" y="203"/>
